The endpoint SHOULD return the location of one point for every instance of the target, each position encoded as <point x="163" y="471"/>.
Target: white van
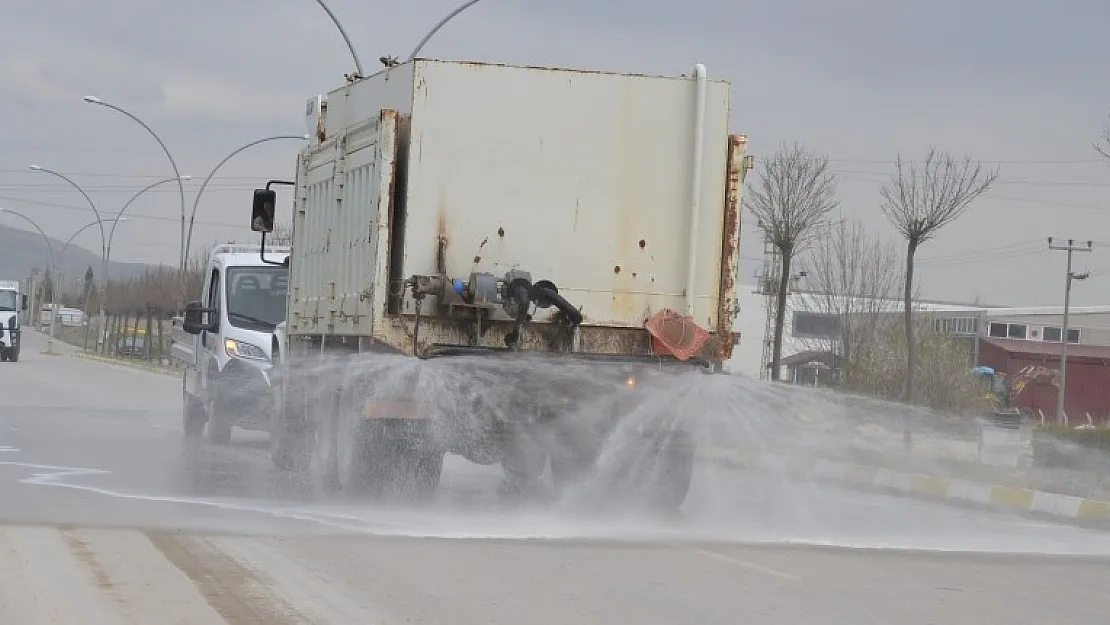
<point x="226" y="341"/>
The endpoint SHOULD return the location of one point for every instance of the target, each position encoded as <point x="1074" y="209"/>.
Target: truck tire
<point x="3" y="355"/>
<point x="219" y="424"/>
<point x="13" y="354"/>
<point x="291" y="441"/>
<point x="669" y="482"/>
<point x="192" y="417"/>
<point x="523" y="460"/>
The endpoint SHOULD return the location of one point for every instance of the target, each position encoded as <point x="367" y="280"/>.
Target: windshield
<point x="256" y="296"/>
<point x="8" y="300"/>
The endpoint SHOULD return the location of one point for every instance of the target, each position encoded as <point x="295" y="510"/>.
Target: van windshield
<point x="256" y="296"/>
<point x="8" y="300"/>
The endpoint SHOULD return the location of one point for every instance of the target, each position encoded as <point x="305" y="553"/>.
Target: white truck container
<point x="12" y="302"/>
<point x="488" y="213"/>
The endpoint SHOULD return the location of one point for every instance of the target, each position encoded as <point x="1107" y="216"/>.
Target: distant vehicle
<point x="227" y="350"/>
<point x="537" y="226"/>
<point x="12" y="302"/>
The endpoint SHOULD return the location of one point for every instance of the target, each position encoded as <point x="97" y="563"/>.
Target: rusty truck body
<point x="515" y="229"/>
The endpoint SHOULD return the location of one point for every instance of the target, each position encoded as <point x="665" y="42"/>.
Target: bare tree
<point x="794" y="193"/>
<point x="853" y="277"/>
<point x="920" y="199"/>
<point x="1102" y="145"/>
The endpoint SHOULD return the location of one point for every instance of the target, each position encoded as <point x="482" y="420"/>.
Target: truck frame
<point x="524" y="237"/>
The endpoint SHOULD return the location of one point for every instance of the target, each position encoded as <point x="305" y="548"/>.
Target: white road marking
<point x="738" y="562"/>
<point x="6" y="448"/>
<point x="52" y="475"/>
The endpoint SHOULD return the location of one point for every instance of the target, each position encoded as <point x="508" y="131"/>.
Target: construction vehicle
<point x="506" y="263"/>
<point x="12" y="302"/>
<point x="1001" y="390"/>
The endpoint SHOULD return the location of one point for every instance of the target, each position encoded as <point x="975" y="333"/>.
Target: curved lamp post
<point x="91" y="99"/>
<point x="54" y="277"/>
<point x="208" y="178"/>
<point x="435" y="29"/>
<point x="99" y="220"/>
<point x="346" y="38"/>
<point x="62" y="255"/>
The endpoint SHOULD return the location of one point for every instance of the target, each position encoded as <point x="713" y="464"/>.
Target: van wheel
<point x="219" y="425"/>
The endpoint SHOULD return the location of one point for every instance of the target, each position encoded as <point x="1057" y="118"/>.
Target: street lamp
<point x="435" y="29"/>
<point x="99" y="220"/>
<point x="53" y="282"/>
<point x="207" y="179"/>
<point x="62" y="255"/>
<point x="350" y="46"/>
<point x="91" y="99"/>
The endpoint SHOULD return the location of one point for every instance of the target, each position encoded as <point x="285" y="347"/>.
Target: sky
<point x="1016" y="83"/>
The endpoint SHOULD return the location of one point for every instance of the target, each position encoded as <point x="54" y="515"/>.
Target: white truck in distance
<point x="525" y="235"/>
<point x="226" y="341"/>
<point x="12" y="302"/>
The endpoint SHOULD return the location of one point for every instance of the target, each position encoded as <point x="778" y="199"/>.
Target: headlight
<point x="630" y="382"/>
<point x="239" y="349"/>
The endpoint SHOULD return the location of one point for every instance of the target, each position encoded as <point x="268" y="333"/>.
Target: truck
<point x="227" y="358"/>
<point x="509" y="263"/>
<point x="12" y="302"/>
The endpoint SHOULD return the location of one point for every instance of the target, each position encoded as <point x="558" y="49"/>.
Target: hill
<point x="21" y="250"/>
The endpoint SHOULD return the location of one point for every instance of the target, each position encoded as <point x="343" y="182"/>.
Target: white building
<point x="808" y="323"/>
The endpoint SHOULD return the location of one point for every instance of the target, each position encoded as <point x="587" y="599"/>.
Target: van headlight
<point x="246" y="351"/>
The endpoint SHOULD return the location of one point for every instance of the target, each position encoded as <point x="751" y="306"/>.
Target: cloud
<point x="1006" y="80"/>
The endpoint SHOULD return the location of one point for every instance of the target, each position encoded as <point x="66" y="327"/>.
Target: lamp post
<point x="99" y="221"/>
<point x="208" y="178"/>
<point x="62" y="255"/>
<point x="342" y="31"/>
<point x="53" y="283"/>
<point x="435" y="29"/>
<point x="91" y="99"/>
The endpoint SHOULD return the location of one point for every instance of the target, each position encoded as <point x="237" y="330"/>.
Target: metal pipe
<point x="695" y="200"/>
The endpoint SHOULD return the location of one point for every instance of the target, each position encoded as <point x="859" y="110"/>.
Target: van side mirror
<point x="23" y="303"/>
<point x="263" y="210"/>
<point x="193" y="319"/>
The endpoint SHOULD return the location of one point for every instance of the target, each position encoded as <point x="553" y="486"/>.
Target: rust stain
<point x="617" y="269"/>
<point x="501" y="232"/>
<point x="730" y="246"/>
<point x="643" y="244"/>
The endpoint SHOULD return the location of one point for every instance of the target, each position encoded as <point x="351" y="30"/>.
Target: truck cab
<point x="226" y="341"/>
<point x="12" y="302"/>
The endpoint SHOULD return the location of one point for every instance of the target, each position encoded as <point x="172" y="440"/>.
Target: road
<point x="107" y="516"/>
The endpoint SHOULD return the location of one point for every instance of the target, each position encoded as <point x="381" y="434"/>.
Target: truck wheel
<point x="3" y="355"/>
<point x="290" y="439"/>
<point x="423" y="472"/>
<point x="523" y="461"/>
<point x="192" y="417"/>
<point x="219" y="424"/>
<point x="13" y="355"/>
<point x="668" y="481"/>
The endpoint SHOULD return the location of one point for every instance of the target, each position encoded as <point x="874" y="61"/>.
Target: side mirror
<point x="193" y="320"/>
<point x="23" y="304"/>
<point x="262" y="210"/>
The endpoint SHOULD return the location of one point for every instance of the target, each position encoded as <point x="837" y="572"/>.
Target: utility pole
<point x="1070" y="275"/>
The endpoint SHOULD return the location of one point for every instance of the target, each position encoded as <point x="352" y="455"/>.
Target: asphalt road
<point x="106" y="516"/>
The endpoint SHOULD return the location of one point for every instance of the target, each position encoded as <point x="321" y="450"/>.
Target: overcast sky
<point x="1016" y="82"/>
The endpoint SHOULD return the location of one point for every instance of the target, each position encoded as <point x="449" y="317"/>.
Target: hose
<point x="560" y="302"/>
